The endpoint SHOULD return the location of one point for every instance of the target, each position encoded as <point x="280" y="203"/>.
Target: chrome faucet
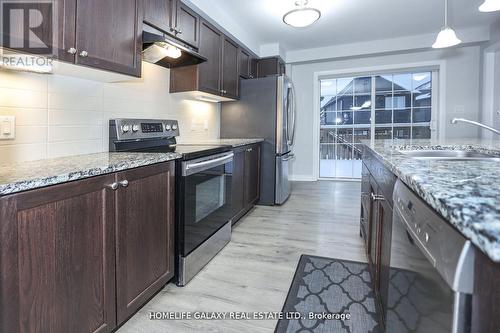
<point x="462" y="120"/>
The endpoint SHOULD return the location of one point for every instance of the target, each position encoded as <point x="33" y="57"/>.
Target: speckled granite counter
<point x="17" y="177"/>
<point x="465" y="193"/>
<point x="229" y="142"/>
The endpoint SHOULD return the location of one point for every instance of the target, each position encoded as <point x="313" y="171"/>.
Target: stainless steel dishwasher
<point x="431" y="270"/>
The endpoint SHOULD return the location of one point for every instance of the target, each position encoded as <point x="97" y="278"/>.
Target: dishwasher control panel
<point x="444" y="247"/>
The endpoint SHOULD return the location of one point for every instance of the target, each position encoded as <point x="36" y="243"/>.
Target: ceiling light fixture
<point x="490" y="6"/>
<point x="447" y="36"/>
<point x="303" y="16"/>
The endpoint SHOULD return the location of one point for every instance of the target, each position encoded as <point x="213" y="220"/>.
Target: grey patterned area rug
<point x="325" y="287"/>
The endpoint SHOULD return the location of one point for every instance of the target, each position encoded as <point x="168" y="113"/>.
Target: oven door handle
<point x="191" y="168"/>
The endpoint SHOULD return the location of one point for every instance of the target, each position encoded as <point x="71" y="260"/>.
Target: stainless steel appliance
<point x="266" y="109"/>
<point x="431" y="270"/>
<point x="203" y="189"/>
<point x="161" y="49"/>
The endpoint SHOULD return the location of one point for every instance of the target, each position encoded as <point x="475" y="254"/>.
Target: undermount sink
<point x="449" y="155"/>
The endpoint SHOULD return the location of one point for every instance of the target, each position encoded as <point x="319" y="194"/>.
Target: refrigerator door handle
<point x="293" y="113"/>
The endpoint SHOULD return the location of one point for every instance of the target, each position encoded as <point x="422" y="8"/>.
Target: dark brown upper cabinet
<point x="218" y="75"/>
<point x="270" y="66"/>
<point x="211" y="70"/>
<point x="248" y="64"/>
<point x="102" y="34"/>
<point x="253" y="67"/>
<point x="244" y="61"/>
<point x="160" y="14"/>
<point x="187" y="25"/>
<point x="174" y="18"/>
<point x="230" y="78"/>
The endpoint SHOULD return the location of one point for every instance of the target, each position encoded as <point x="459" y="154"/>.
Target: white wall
<point x="461" y="94"/>
<point x="61" y="115"/>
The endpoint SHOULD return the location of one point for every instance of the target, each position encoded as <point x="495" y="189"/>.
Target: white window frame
<point x="438" y="118"/>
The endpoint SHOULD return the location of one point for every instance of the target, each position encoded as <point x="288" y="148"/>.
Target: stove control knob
<point x="167" y="127"/>
<point x="125" y="128"/>
<point x="135" y="128"/>
<point x="174" y="127"/>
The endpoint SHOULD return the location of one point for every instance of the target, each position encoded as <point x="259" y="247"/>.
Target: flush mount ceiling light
<point x="447" y="36"/>
<point x="302" y="16"/>
<point x="490" y="6"/>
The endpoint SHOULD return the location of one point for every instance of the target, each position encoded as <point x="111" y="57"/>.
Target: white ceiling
<point x="350" y="21"/>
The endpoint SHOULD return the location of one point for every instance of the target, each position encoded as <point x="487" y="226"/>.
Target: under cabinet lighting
<point x="207" y="99"/>
<point x="490" y="6"/>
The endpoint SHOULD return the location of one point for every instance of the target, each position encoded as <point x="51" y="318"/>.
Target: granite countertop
<point x="228" y="142"/>
<point x="465" y="193"/>
<point x="17" y="177"/>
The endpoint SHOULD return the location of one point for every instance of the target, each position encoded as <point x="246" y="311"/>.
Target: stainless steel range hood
<point x="161" y="49"/>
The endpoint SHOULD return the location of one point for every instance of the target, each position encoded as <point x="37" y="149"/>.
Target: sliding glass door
<point x="388" y="106"/>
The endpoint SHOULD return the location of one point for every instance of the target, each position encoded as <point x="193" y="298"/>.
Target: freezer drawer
<point x="283" y="187"/>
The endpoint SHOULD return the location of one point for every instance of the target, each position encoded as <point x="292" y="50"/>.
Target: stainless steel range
<point x="203" y="188"/>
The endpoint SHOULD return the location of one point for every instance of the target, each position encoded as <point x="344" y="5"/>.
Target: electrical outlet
<point x="7" y="127"/>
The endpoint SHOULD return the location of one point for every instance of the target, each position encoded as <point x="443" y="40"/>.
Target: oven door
<point x="205" y="199"/>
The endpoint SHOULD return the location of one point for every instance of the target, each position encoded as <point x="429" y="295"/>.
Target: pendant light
<point x="302" y="16"/>
<point x="447" y="36"/>
<point x="490" y="6"/>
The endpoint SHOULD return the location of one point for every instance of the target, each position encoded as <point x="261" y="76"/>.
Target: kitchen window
<point x="384" y="106"/>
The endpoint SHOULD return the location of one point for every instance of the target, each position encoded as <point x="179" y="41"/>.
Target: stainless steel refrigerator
<point x="266" y="109"/>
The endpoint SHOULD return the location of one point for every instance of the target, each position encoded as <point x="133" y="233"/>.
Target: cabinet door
<point x="252" y="175"/>
<point x="160" y="14"/>
<point x="57" y="248"/>
<point x="365" y="204"/>
<point x="244" y="60"/>
<point x="144" y="234"/>
<point x="253" y="68"/>
<point x="209" y="77"/>
<point x="108" y="35"/>
<point x="187" y="24"/>
<point x="66" y="11"/>
<point x="230" y="78"/>
<point x="238" y="187"/>
<point x="385" y="213"/>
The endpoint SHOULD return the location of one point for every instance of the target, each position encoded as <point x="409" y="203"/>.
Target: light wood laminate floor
<point x="254" y="271"/>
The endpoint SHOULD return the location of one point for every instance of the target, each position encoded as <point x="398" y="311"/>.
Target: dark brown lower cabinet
<point x="57" y="259"/>
<point x="252" y="175"/>
<point x="377" y="185"/>
<point x="246" y="179"/>
<point x="57" y="251"/>
<point x="144" y="235"/>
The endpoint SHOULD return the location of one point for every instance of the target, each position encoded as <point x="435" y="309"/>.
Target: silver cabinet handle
<point x="84" y="54"/>
<point x="71" y="50"/>
<point x="377" y="197"/>
<point x="124" y="183"/>
<point x="172" y="29"/>
<point x="290" y="157"/>
<point x="113" y="186"/>
<point x="179" y="31"/>
<point x="249" y="150"/>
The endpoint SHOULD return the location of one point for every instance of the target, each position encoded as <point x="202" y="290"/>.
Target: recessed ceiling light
<point x="302" y="16"/>
<point x="490" y="6"/>
<point x="447" y="36"/>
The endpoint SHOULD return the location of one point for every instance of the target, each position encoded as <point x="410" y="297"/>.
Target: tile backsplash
<point x="61" y="115"/>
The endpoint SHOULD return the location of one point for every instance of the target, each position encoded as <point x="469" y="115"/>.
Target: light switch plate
<point x="7" y="127"/>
